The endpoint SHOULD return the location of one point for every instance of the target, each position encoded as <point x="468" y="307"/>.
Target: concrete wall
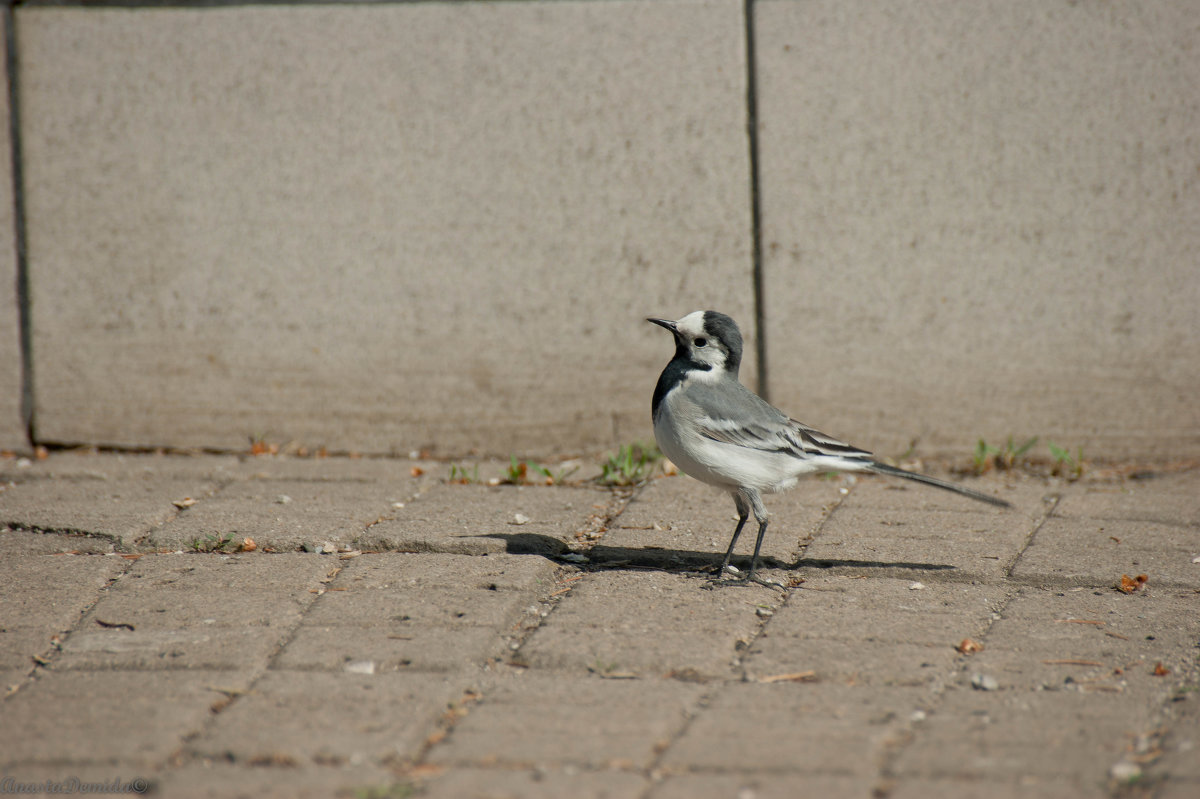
<point x="983" y="219"/>
<point x="386" y="227"/>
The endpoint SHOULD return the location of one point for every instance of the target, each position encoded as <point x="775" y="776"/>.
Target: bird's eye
<point x="701" y="342"/>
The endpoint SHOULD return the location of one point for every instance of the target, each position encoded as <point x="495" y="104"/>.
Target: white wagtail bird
<point x="720" y="433"/>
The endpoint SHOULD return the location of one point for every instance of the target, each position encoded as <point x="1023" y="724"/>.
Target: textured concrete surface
<point x="377" y="227"/>
<point x="979" y="220"/>
<point x="12" y="426"/>
<point x="922" y="646"/>
<point x="395" y="227"/>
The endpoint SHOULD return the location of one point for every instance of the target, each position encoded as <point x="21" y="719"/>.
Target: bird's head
<point x="708" y="340"/>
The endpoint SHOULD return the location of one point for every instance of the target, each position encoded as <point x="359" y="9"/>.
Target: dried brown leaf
<point x="796" y="676"/>
<point x="1130" y="584"/>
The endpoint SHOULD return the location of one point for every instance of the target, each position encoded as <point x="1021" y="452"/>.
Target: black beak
<point x="667" y="323"/>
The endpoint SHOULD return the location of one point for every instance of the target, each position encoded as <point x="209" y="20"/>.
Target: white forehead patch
<point x="692" y="324"/>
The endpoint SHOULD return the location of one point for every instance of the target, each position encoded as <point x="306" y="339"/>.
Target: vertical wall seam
<point x="24" y="309"/>
<point x="760" y="326"/>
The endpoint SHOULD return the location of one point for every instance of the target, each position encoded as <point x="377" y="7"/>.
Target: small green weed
<point x="984" y="456"/>
<point x="463" y="476"/>
<point x="1066" y="465"/>
<point x="214" y="542"/>
<point x="987" y="457"/>
<point x="630" y="465"/>
<point x="518" y="473"/>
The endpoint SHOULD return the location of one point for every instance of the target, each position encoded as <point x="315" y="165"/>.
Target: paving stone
<point x="196" y="611"/>
<point x="399" y="648"/>
<point x="18" y="543"/>
<point x="648" y="622"/>
<point x="759" y="784"/>
<point x="420" y="571"/>
<point x="363" y="718"/>
<point x="1092" y="641"/>
<point x="534" y="783"/>
<point x="1181" y="740"/>
<point x="283" y="515"/>
<point x="402" y="611"/>
<point x="403" y="476"/>
<point x="926" y="543"/>
<point x="13" y="679"/>
<point x="131" y="718"/>
<point x="129" y="507"/>
<point x="282" y="778"/>
<point x="874" y="663"/>
<point x="548" y="720"/>
<point x="427" y="606"/>
<point x="190" y="648"/>
<point x="44" y="596"/>
<point x="1026" y="786"/>
<point x="1162" y="499"/>
<point x="995" y="735"/>
<point x="1081" y="551"/>
<point x="822" y="727"/>
<point x="477" y="520"/>
<point x="855" y="608"/>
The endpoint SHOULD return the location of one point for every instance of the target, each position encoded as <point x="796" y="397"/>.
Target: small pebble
<point x="1124" y="771"/>
<point x="984" y="682"/>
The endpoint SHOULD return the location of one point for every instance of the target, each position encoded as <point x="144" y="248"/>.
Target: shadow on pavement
<point x="675" y="560"/>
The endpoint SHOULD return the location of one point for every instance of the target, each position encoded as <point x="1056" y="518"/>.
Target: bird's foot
<point x="745" y="579"/>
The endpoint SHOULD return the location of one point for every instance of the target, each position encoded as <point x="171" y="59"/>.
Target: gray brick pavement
<point x="446" y="649"/>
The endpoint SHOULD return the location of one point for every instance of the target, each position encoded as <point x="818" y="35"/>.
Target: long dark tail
<point x="883" y="468"/>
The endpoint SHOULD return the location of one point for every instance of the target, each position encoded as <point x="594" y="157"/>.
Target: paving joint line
<point x="653" y="770"/>
<point x="44" y="662"/>
<point x="140" y="541"/>
<point x="182" y="755"/>
<point x="910" y="731"/>
<point x="443" y="727"/>
<point x="1050" y="503"/>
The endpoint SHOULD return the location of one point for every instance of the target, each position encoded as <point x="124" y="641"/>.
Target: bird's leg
<point x="751" y="577"/>
<point x="743" y="510"/>
<point x="737" y="531"/>
<point x="746" y="499"/>
<point x="760" y="515"/>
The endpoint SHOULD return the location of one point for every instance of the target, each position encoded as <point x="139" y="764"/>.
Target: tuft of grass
<point x="214" y="542"/>
<point x="1066" y="465"/>
<point x="986" y="457"/>
<point x="463" y="476"/>
<point x="983" y="457"/>
<point x="629" y="465"/>
<point x="520" y="473"/>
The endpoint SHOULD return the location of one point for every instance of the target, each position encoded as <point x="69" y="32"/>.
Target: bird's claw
<point x="743" y="580"/>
